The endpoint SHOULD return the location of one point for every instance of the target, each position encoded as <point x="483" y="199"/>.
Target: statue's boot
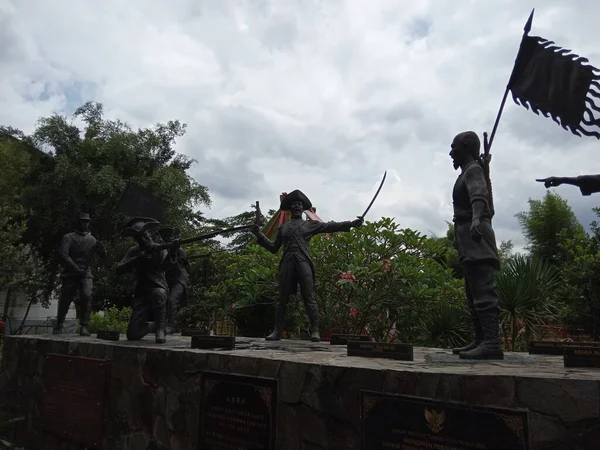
<point x="279" y="321"/>
<point x="476" y="342"/>
<point x="160" y="318"/>
<point x="84" y="323"/>
<point x="169" y="328"/>
<point x="490" y="347"/>
<point x="313" y="317"/>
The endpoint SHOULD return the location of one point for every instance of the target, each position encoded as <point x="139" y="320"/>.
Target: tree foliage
<point x="547" y="224"/>
<point x="86" y="169"/>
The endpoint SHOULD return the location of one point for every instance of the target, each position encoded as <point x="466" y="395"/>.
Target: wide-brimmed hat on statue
<point x="138" y="225"/>
<point x="295" y="196"/>
<point x="167" y="232"/>
<point x="84" y="216"/>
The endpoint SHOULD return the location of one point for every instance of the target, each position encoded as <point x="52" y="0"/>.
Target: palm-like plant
<point x="445" y="325"/>
<point x="527" y="289"/>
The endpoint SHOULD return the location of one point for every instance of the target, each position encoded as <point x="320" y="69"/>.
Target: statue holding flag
<point x="476" y="244"/>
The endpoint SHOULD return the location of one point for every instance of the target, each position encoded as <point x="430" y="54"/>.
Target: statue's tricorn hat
<point x="295" y="196"/>
<point x="84" y="216"/>
<point x="166" y="232"/>
<point x="138" y="225"/>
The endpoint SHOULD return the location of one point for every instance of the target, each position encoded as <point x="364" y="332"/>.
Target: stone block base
<point x="153" y="392"/>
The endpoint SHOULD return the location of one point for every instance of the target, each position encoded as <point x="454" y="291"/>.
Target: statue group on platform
<point x="162" y="269"/>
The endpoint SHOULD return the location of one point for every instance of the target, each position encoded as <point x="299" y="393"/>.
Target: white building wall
<point x="37" y="313"/>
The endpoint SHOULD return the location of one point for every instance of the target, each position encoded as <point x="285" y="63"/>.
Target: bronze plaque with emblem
<point x="73" y="400"/>
<point x="396" y="421"/>
<point x="237" y="412"/>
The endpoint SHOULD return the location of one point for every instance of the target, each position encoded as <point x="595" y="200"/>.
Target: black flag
<point x="557" y="83"/>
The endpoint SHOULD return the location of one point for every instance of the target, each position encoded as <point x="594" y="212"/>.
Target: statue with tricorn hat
<point x="296" y="266"/>
<point x="150" y="262"/>
<point x="178" y="279"/>
<point x="75" y="252"/>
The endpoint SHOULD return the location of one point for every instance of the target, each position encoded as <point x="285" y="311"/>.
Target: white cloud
<point x="320" y="96"/>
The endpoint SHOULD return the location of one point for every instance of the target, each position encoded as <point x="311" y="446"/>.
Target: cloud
<point x="320" y="96"/>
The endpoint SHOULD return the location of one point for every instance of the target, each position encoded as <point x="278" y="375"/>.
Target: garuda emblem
<point x="435" y="420"/>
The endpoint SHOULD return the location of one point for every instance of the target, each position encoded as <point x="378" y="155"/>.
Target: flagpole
<point x="526" y="31"/>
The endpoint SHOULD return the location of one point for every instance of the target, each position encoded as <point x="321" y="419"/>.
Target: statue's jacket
<point x="295" y="237"/>
<point x="470" y="186"/>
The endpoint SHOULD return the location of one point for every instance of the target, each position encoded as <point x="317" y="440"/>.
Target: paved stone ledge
<point x="153" y="399"/>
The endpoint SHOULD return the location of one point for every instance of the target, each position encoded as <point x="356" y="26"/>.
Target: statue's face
<point x="144" y="239"/>
<point x="297" y="208"/>
<point x="458" y="152"/>
<point x="83" y="225"/>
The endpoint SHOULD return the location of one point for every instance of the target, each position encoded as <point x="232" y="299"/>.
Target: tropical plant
<point x="527" y="287"/>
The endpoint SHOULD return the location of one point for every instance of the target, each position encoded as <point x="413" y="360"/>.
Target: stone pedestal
<point x="153" y="392"/>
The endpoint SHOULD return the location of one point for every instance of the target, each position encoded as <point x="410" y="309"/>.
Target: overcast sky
<point x="321" y="96"/>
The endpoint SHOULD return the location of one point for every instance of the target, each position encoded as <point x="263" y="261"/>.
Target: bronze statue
<point x="75" y="251"/>
<point x="296" y="267"/>
<point x="178" y="280"/>
<point x="476" y="244"/>
<point x="149" y="262"/>
<point x="587" y="184"/>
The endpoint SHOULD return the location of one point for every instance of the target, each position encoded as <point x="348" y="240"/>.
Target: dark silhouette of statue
<point x="75" y="252"/>
<point x="151" y="291"/>
<point x="296" y="266"/>
<point x="587" y="184"/>
<point x="476" y="244"/>
<point x="178" y="280"/>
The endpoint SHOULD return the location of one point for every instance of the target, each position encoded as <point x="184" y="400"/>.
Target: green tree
<point x="546" y="226"/>
<point x="580" y="289"/>
<point x="88" y="169"/>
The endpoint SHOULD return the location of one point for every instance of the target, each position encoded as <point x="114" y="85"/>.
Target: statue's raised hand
<point x="358" y="222"/>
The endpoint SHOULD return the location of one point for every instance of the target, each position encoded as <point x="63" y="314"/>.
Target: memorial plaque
<point x="343" y="339"/>
<point x="237" y="412"/>
<point x="109" y="335"/>
<point x="402" y="352"/>
<point x="582" y="357"/>
<point x="73" y="400"/>
<point x="556" y="347"/>
<point x="194" y="332"/>
<point x="205" y="342"/>
<point x="412" y="423"/>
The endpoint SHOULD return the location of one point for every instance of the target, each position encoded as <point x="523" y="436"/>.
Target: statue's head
<point x="139" y="228"/>
<point x="296" y="203"/>
<point x="167" y="234"/>
<point x="464" y="148"/>
<point x="83" y="222"/>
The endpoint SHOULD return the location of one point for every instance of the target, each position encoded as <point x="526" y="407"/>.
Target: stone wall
<point x="154" y="393"/>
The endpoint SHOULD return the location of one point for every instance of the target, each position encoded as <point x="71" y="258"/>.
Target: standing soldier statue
<point x="151" y="291"/>
<point x="76" y="251"/>
<point x="296" y="267"/>
<point x="476" y="244"/>
<point x="178" y="280"/>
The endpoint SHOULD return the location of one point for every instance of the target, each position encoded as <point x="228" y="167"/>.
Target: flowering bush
<point x="383" y="280"/>
<point x="376" y="279"/>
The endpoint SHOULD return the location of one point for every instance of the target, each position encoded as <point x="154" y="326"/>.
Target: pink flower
<point x="326" y="236"/>
<point x="233" y="306"/>
<point x="387" y="264"/>
<point x="348" y="276"/>
<point x="353" y="312"/>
